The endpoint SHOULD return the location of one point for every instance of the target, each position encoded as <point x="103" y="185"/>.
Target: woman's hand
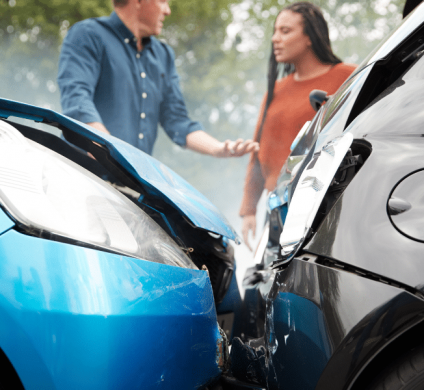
<point x="249" y="224"/>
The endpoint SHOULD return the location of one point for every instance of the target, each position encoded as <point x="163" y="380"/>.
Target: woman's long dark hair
<point x="315" y="27"/>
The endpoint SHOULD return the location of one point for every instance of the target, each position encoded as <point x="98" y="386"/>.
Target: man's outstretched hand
<point x="201" y="142"/>
<point x="237" y="148"/>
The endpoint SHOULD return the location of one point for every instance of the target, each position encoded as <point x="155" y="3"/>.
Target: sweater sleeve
<point x="254" y="182"/>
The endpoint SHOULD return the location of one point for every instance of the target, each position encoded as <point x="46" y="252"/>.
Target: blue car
<point x="113" y="268"/>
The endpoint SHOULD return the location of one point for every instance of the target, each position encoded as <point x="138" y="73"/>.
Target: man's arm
<point x="79" y="71"/>
<point x="202" y="142"/>
<point x="185" y="132"/>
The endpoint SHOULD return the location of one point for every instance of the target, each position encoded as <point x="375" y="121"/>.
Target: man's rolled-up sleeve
<point x="79" y="70"/>
<point x="173" y="114"/>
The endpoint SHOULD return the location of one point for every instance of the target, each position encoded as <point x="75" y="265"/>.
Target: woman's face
<point x="290" y="43"/>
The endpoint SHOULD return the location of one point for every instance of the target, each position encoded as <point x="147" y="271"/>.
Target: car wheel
<point x="406" y="373"/>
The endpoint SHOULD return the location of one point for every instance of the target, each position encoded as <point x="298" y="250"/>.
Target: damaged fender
<point x="97" y="320"/>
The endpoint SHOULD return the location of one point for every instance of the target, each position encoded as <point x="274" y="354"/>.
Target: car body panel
<point x="74" y="317"/>
<point x="5" y="222"/>
<point x="408" y="195"/>
<point x="229" y="311"/>
<point x="395" y="134"/>
<point x="153" y="175"/>
<point x="328" y="323"/>
<point x="369" y="222"/>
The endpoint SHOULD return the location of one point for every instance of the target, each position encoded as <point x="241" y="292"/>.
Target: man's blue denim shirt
<point x="103" y="78"/>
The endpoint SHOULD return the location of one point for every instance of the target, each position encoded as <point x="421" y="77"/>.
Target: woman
<point x="301" y="44"/>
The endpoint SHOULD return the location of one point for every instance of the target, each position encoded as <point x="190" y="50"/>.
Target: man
<point x="116" y="77"/>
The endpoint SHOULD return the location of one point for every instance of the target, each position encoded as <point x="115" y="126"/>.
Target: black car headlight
<point x="310" y="191"/>
<point x="48" y="194"/>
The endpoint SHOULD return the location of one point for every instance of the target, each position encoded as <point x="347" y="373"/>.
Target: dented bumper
<point x="94" y="320"/>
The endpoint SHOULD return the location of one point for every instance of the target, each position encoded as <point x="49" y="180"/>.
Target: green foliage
<point x="48" y="17"/>
<point x="53" y="17"/>
<point x="193" y="14"/>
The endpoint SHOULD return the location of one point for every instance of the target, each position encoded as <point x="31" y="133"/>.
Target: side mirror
<point x="317" y="98"/>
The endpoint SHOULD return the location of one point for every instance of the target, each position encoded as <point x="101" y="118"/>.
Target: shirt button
<point x="142" y="115"/>
<point x="144" y="95"/>
<point x="143" y="75"/>
<point x="126" y="40"/>
<point x="141" y="136"/>
<point x="138" y="55"/>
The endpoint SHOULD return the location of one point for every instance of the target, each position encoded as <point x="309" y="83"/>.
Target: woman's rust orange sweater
<point x="287" y="113"/>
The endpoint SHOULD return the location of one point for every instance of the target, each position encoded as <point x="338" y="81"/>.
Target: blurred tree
<point x="49" y="18"/>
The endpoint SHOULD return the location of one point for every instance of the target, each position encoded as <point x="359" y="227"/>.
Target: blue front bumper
<point x="78" y="318"/>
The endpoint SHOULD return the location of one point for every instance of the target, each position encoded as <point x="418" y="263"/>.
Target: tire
<point x="405" y="373"/>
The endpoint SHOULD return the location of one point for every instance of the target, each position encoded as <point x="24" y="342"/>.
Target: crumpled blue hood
<point x="152" y="174"/>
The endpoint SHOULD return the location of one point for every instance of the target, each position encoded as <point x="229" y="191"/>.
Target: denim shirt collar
<point x="116" y="23"/>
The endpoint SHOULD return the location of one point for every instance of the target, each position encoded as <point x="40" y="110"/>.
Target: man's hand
<point x="99" y="126"/>
<point x="202" y="142"/>
<point x="249" y="224"/>
<point x="237" y="148"/>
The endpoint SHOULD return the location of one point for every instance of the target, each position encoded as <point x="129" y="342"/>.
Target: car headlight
<point x="309" y="193"/>
<point x="48" y="194"/>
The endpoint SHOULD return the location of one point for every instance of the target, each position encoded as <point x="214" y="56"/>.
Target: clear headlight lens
<point x="48" y="193"/>
<point x="309" y="193"/>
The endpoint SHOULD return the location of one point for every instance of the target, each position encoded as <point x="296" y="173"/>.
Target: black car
<point x="337" y="301"/>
